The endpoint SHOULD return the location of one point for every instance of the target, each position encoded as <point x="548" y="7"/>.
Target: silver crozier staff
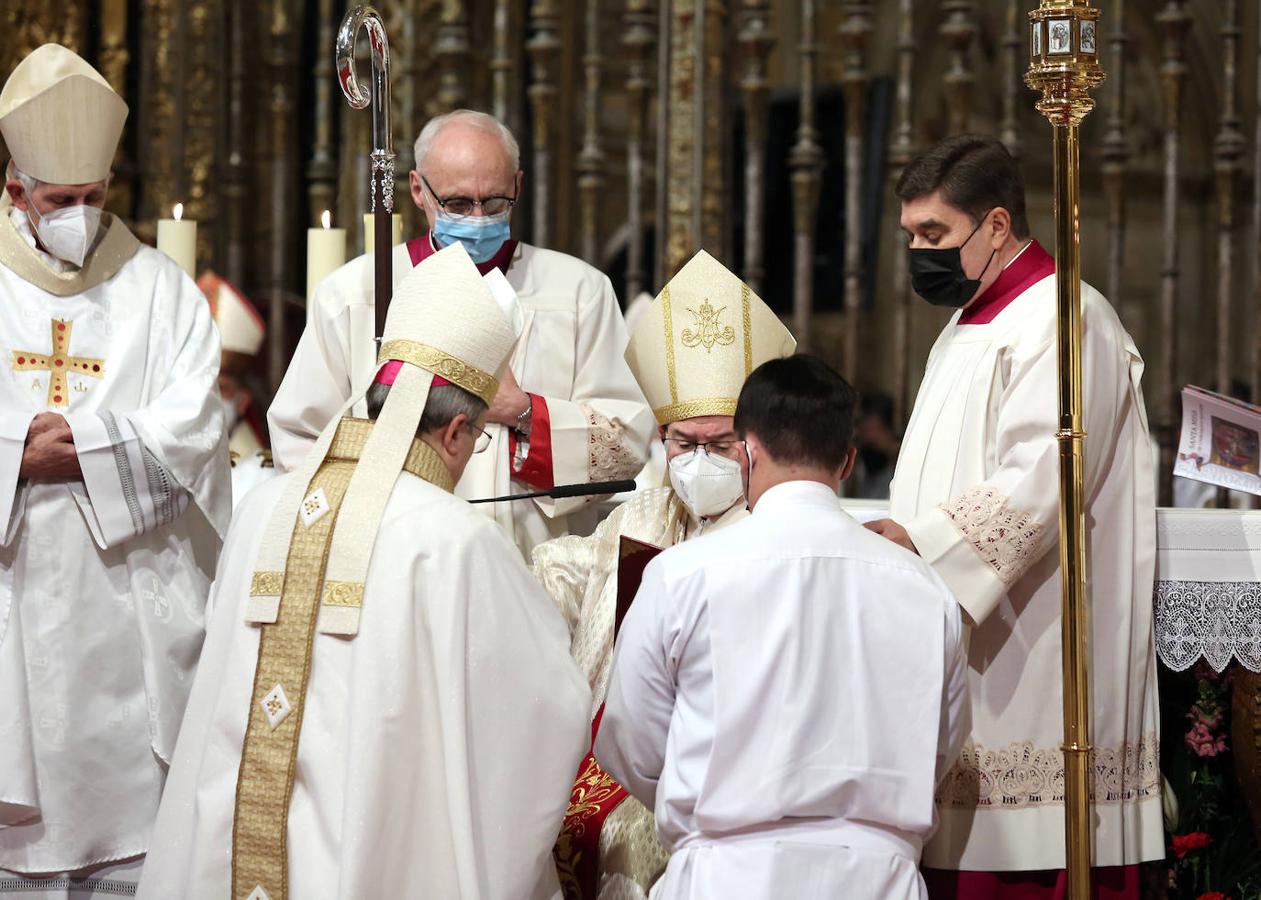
<point x="382" y="189"/>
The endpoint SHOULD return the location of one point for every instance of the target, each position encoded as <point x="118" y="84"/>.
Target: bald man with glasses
<point x="568" y="409"/>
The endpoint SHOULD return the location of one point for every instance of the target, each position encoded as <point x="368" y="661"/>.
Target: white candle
<point x="177" y="238"/>
<point x="325" y="251"/>
<point x="369" y="231"/>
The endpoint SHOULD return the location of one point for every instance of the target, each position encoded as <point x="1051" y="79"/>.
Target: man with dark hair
<point x="786" y="692"/>
<point x="975" y="495"/>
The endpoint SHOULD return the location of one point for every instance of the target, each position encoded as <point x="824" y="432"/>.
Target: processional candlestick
<point x="1064" y="66"/>
<point x="382" y="158"/>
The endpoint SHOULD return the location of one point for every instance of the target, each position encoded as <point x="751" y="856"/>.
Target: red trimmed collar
<point x="1030" y="267"/>
<point x="422" y="248"/>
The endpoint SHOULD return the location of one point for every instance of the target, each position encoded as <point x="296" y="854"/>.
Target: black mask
<point x="937" y="273"/>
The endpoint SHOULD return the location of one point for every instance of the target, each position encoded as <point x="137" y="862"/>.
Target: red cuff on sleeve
<point x="536" y="469"/>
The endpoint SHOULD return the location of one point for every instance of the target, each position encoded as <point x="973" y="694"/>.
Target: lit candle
<point x="369" y="231"/>
<point x="177" y="238"/>
<point x="325" y="251"/>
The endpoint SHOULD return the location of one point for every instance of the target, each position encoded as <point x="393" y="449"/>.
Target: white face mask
<point x="708" y="485"/>
<point x="68" y="233"/>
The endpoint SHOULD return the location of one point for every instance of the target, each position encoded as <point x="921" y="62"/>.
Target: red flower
<point x="1185" y="843"/>
<point x="1213" y="895"/>
<point x="1204" y="743"/>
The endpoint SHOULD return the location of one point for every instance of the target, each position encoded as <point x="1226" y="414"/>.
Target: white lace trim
<point x="609" y="457"/>
<point x="1007" y="539"/>
<point x="1021" y="775"/>
<point x="1216" y="620"/>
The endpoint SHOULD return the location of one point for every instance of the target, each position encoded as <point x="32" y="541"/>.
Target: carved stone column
<point x="1116" y="153"/>
<point x="452" y="50"/>
<point x="543" y="46"/>
<point x="591" y="156"/>
<point x="1228" y="149"/>
<point x="322" y="167"/>
<point x="900" y="153"/>
<point x="855" y="32"/>
<point x="235" y="169"/>
<point x="756" y="40"/>
<point x="114" y="59"/>
<point x="958" y="28"/>
<point x="806" y="162"/>
<point x="695" y="174"/>
<point x="1014" y="37"/>
<point x="281" y="172"/>
<point x="637" y="42"/>
<point x="1176" y="21"/>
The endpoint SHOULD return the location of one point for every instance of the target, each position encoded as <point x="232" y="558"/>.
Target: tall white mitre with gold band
<point x="241" y="328"/>
<point x="444" y="320"/>
<point x="693" y="348"/>
<point x="60" y="118"/>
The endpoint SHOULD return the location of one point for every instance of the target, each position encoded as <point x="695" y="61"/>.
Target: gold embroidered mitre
<point x="692" y="349"/>
<point x="60" y="118"/>
<point x="445" y="319"/>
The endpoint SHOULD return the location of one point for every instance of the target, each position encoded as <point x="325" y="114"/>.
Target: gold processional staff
<point x="1064" y="66"/>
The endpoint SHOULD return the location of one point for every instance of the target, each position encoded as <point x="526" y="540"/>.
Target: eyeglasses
<point x="461" y="207"/>
<point x="481" y="440"/>
<point x="718" y="448"/>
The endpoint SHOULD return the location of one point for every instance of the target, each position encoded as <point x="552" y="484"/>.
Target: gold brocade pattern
<point x="269" y="753"/>
<point x="266" y="584"/>
<point x="709" y="329"/>
<point x="342" y="593"/>
<point x="592" y="791"/>
<point x="713" y="406"/>
<point x="474" y="380"/>
<point x="630" y="849"/>
<point x="1021" y="775"/>
<point x="268" y="756"/>
<point x="746" y="319"/>
<point x="668" y="317"/>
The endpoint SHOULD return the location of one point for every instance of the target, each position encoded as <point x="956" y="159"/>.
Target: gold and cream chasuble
<point x="265" y="780"/>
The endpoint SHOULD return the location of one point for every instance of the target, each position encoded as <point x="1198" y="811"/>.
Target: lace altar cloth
<point x="1208" y="587"/>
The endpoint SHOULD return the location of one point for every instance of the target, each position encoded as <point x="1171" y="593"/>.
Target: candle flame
<point x="327" y="219"/>
<point x="178" y="212"/>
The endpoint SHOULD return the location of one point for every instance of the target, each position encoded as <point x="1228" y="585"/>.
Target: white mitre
<point x="444" y="321"/>
<point x="241" y="328"/>
<point x="60" y="118"/>
<point x="694" y="346"/>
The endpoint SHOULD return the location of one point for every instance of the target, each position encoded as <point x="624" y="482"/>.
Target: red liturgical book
<point x="633" y="558"/>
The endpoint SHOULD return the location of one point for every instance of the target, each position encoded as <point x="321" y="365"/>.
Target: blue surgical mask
<point x="482" y="236"/>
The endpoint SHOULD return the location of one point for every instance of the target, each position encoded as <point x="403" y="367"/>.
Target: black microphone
<point x="567" y="490"/>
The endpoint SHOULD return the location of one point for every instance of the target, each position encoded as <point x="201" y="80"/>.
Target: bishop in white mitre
<point x="386" y="705"/>
<point x="691" y="350"/>
<point x="113" y="492"/>
<point x="975" y="494"/>
<point x="569" y="410"/>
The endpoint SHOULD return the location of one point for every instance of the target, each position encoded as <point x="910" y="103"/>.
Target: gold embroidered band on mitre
<point x="269" y="753"/>
<point x="477" y="382"/>
<point x="714" y="406"/>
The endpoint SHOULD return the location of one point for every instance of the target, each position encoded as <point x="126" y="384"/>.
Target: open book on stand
<point x="1221" y="441"/>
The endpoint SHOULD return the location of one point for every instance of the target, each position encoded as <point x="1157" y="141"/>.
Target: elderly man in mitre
<point x="386" y="705"/>
<point x="113" y="493"/>
<point x="691" y="350"/>
<point x="568" y="409"/>
<point x="241" y="333"/>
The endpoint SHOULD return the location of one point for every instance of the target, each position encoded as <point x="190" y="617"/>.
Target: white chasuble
<point x="103" y="579"/>
<point x="977" y="489"/>
<point x="431" y="755"/>
<point x="570" y="354"/>
<point x="580" y="573"/>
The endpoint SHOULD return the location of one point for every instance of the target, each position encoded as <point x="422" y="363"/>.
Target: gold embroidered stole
<point x="114" y="249"/>
<point x="269" y="754"/>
